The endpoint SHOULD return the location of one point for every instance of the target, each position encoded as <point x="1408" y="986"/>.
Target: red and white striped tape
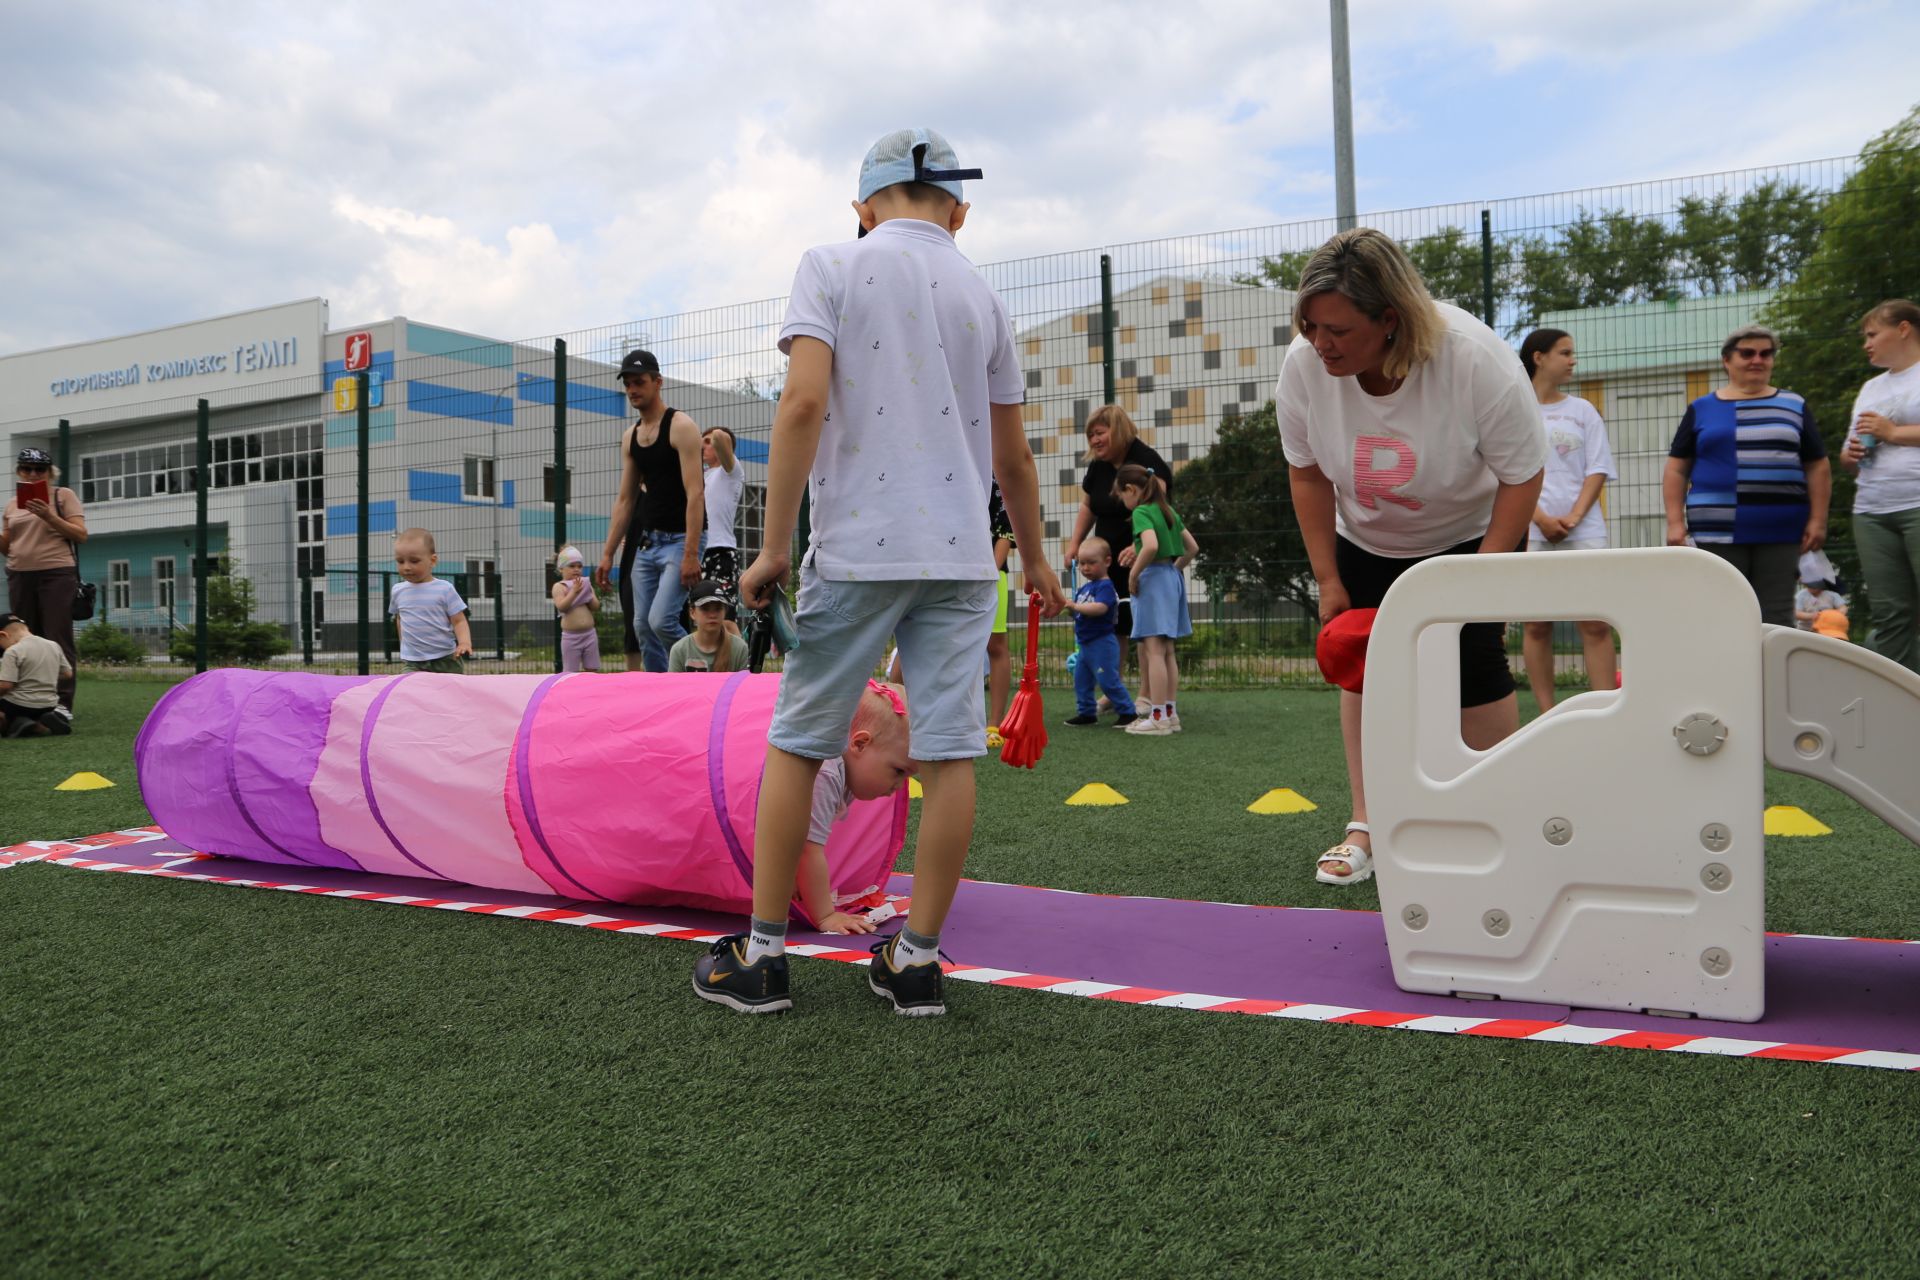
<point x="1495" y="1028"/>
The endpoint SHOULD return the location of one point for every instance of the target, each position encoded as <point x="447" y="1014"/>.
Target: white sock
<point x="1170" y="709"/>
<point x="765" y="939"/>
<point x="913" y="948"/>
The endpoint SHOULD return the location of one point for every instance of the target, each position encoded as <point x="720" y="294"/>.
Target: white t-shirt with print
<point x="1890" y="480"/>
<point x="832" y="796"/>
<point x="723" y="490"/>
<point x="1415" y="472"/>
<point x="1576" y="448"/>
<point x="921" y="349"/>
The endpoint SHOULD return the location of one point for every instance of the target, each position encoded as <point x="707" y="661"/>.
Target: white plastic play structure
<point x="1611" y="854"/>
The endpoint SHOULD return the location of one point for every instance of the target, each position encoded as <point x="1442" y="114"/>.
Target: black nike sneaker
<point x="724" y="977"/>
<point x="914" y="990"/>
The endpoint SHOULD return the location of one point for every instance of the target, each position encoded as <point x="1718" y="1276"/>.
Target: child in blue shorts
<point x="901" y="407"/>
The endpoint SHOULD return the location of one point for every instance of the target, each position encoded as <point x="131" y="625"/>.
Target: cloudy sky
<point x="521" y="170"/>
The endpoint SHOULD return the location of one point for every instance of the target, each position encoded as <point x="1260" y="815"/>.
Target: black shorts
<point x="1485" y="675"/>
<point x="722" y="564"/>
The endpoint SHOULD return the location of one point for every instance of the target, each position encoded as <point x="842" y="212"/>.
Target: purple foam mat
<point x="1848" y="992"/>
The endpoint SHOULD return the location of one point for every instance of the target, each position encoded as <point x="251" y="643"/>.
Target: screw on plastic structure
<point x="1558" y="831"/>
<point x="1716" y="836"/>
<point x="1716" y="876"/>
<point x="1700" y="734"/>
<point x="1414" y="916"/>
<point x="1497" y="922"/>
<point x="1716" y="961"/>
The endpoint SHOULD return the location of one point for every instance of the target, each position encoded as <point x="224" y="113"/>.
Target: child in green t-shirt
<point x="1162" y="548"/>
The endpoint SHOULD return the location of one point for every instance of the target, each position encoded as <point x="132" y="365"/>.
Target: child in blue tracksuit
<point x="1095" y="606"/>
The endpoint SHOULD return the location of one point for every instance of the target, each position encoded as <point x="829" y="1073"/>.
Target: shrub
<point x="107" y="645"/>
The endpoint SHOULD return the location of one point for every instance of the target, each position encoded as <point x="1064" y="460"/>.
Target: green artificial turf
<point x="217" y="1081"/>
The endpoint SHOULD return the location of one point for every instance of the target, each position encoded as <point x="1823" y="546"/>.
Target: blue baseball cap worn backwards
<point x="913" y="155"/>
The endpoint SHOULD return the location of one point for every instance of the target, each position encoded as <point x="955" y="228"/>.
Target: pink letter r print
<point x="1371" y="483"/>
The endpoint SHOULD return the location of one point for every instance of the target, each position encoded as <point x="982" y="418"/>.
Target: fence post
<point x="499" y="620"/>
<point x="203" y="480"/>
<point x="386" y="625"/>
<point x="306" y="619"/>
<point x="363" y="431"/>
<point x="1106" y="326"/>
<point x="1486" y="266"/>
<point x="63" y="452"/>
<point x="560" y="484"/>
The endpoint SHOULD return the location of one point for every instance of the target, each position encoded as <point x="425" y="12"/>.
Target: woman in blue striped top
<point x="1748" y="477"/>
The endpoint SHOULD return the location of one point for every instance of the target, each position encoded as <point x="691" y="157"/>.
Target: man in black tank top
<point x="657" y="517"/>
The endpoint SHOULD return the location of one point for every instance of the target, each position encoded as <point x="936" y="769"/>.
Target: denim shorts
<point x="942" y="626"/>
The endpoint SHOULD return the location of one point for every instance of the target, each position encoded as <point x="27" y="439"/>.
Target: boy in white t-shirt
<point x="902" y="404"/>
<point x="723" y="481"/>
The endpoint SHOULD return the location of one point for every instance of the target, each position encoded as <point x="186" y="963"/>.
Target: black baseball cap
<point x="34" y="457"/>
<point x="706" y="591"/>
<point x="8" y="619"/>
<point x="635" y="362"/>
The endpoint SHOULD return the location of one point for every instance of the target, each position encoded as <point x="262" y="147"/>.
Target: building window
<point x="1176" y="328"/>
<point x="1249" y="392"/>
<point x="250" y="457"/>
<point x="1082" y="410"/>
<point x="1180" y="452"/>
<point x="477" y="484"/>
<point x="1069" y="476"/>
<point x="1163" y="417"/>
<point x="549" y="491"/>
<point x="120" y="584"/>
<point x="1209" y="359"/>
<point x="1053" y="528"/>
<point x="480" y="580"/>
<point x="163" y="584"/>
<point x="1280" y="338"/>
<point x="1033" y="379"/>
<point x="1178" y="399"/>
<point x="1229" y="411"/>
<point x="1144" y="385"/>
<point x="1193" y="308"/>
<point x="1038" y="444"/>
<point x="1129" y="368"/>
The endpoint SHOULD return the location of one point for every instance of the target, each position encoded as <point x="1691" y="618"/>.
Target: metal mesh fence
<point x="503" y="449"/>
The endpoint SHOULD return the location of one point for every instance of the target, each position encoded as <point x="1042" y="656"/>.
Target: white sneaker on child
<point x="1173" y="723"/>
<point x="1148" y="727"/>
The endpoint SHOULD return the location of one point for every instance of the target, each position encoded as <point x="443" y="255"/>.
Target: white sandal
<point x="1359" y="861"/>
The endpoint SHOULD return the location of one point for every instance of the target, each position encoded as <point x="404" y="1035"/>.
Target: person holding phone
<point x="38" y="532"/>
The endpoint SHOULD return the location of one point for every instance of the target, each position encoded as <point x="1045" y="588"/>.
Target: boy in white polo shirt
<point x="901" y="407"/>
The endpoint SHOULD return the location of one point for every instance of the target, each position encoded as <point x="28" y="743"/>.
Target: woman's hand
<point x="1814" y="537"/>
<point x="1125" y="557"/>
<point x="1334" y="600"/>
<point x="1676" y="533"/>
<point x="1853" y="452"/>
<point x="1133" y="583"/>
<point x="40" y="507"/>
<point x="768" y="571"/>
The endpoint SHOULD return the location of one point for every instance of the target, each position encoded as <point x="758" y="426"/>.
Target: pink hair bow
<point x="891" y="694"/>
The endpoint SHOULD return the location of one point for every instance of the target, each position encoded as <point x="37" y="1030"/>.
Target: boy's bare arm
<point x="462" y="637"/>
<point x="723" y="449"/>
<point x="790" y="453"/>
<point x="1020" y="491"/>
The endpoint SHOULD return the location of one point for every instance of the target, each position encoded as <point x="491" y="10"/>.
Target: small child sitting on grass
<point x="30" y="670"/>
<point x="875" y="764"/>
<point x="429" y="614"/>
<point x="574" y="599"/>
<point x="1096" y="607"/>
<point x="709" y="646"/>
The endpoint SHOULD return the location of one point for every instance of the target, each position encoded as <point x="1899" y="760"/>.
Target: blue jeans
<point x="653" y="617"/>
<point x="1099" y="663"/>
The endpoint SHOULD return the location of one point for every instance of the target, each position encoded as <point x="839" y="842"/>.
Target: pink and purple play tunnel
<point x="631" y="788"/>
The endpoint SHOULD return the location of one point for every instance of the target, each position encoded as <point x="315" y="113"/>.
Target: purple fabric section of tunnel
<point x="717" y="773"/>
<point x="292" y="753"/>
<point x="1842" y="992"/>
<point x="523" y="778"/>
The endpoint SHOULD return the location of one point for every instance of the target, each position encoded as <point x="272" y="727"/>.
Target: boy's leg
<point x="1105" y="660"/>
<point x="1536" y="647"/>
<point x="1084" y="680"/>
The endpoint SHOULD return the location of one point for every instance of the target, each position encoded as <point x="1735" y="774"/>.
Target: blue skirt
<point x="1160" y="605"/>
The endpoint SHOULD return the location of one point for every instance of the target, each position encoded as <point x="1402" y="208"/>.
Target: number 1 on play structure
<point x="1858" y="711"/>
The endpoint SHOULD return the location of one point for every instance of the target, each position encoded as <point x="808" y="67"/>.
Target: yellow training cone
<point x="1789" y="820"/>
<point x="83" y="782"/>
<point x="914" y="789"/>
<point x="1096" y="793"/>
<point x="1282" y="800"/>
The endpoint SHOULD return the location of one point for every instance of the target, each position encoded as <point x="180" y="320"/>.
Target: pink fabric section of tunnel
<point x="619" y="770"/>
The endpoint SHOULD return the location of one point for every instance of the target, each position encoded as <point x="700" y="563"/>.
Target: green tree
<point x="1236" y="501"/>
<point x="1596" y="260"/>
<point x="1451" y="263"/>
<point x="104" y="644"/>
<point x="1759" y="241"/>
<point x="1282" y="271"/>
<point x="232" y="634"/>
<point x="1868" y="251"/>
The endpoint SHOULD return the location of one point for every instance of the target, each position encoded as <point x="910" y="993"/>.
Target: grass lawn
<point x="211" y="1081"/>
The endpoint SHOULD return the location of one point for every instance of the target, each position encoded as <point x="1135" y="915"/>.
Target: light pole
<point x="1342" y="118"/>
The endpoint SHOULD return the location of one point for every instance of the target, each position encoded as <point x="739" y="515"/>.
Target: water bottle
<point x="1867" y="445"/>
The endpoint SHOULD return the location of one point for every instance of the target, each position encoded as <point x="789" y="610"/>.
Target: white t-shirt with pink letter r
<point x="921" y="351"/>
<point x="1415" y="472"/>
